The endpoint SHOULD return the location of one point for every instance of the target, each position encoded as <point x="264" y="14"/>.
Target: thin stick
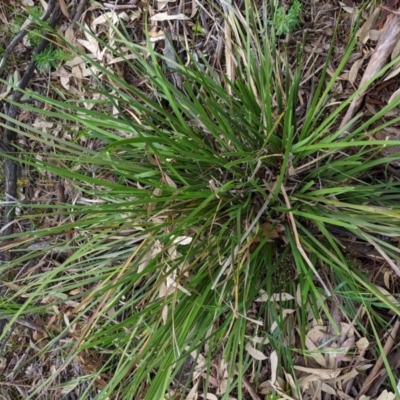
<point x="388" y="346"/>
<point x="389" y="36"/>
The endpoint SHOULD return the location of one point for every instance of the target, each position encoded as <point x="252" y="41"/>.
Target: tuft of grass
<point x="201" y="199"/>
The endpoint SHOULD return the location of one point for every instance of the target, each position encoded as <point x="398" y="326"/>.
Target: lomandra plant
<point x="198" y="222"/>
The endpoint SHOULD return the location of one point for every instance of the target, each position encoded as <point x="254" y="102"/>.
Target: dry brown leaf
<point x="103" y="19"/>
<point x="259" y="340"/>
<point x="362" y="344"/>
<point x="271" y="230"/>
<point x="314" y="353"/>
<point x="331" y="355"/>
<point x="353" y="73"/>
<point x="274" y="366"/>
<point x="316" y="334"/>
<point x="354" y="57"/>
<point x="64" y="8"/>
<point x="156" y="36"/>
<point x="345" y="377"/>
<point x="282" y="393"/>
<point x="328" y="389"/>
<point x="385" y="395"/>
<point x="396" y="51"/>
<point x="43" y="125"/>
<point x="343" y="350"/>
<point x="64" y="76"/>
<point x="344" y="396"/>
<point x="291" y="382"/>
<point x="192" y="395"/>
<point x="396" y="93"/>
<point x="170" y="182"/>
<point x="123" y="59"/>
<point x="256" y="354"/>
<point x="75" y="291"/>
<point x="275" y="297"/>
<point x="92" y="47"/>
<point x="213" y="381"/>
<point x="38" y="335"/>
<point x="372" y="110"/>
<point x="364" y="367"/>
<point x="195" y="7"/>
<point x="165" y="17"/>
<point x="161" y="4"/>
<point x="75" y="61"/>
<point x="69" y="35"/>
<point x="209" y="396"/>
<point x="363" y="32"/>
<point x="156" y="249"/>
<point x="12" y="286"/>
<point x="320" y="373"/>
<point x="223" y="386"/>
<point x="394" y="71"/>
<point x="164" y="314"/>
<point x="389" y="297"/>
<point x="344" y="76"/>
<point x="349" y="10"/>
<point x="374" y="35"/>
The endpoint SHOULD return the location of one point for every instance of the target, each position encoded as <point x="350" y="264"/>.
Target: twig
<point x="79" y="12"/>
<point x="250" y="389"/>
<point x="374" y="372"/>
<point x="117" y="7"/>
<point x="389" y="36"/>
<point x="394" y="363"/>
<point x="389" y="10"/>
<point x="298" y="244"/>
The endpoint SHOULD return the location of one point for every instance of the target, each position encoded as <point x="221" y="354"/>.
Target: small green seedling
<point x="287" y="21"/>
<point x="51" y="57"/>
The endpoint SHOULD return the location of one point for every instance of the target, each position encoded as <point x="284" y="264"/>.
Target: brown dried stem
<point x="389" y="36"/>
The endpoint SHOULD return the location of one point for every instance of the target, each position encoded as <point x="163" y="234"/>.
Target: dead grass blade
<point x="300" y="247"/>
<point x="375" y="370"/>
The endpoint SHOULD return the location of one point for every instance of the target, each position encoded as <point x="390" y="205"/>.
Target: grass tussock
<point x="194" y="242"/>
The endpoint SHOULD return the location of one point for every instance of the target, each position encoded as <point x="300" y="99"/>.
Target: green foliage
<point x="16" y="24"/>
<point x="50" y="58"/>
<point x="35" y="13"/>
<point x="284" y="21"/>
<point x="35" y="37"/>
